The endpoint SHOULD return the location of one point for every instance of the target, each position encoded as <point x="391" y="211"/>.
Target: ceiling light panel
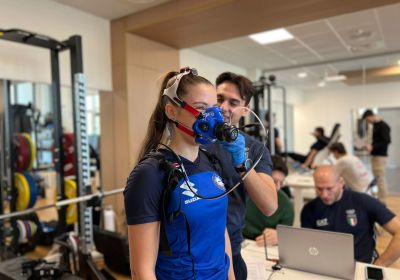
<point x="336" y="78"/>
<point x="272" y="36"/>
<point x="302" y="75"/>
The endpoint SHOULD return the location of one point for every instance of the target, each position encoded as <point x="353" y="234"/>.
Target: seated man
<point x="342" y="210"/>
<point x="351" y="168"/>
<point x="257" y="224"/>
<point x="321" y="142"/>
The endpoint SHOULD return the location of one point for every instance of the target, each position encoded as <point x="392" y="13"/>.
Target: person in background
<point x="259" y="227"/>
<point x="351" y="168"/>
<point x="177" y="220"/>
<point x="234" y="93"/>
<point x="320" y="143"/>
<point x="48" y="120"/>
<point x="343" y="210"/>
<point x="277" y="141"/>
<point x="379" y="150"/>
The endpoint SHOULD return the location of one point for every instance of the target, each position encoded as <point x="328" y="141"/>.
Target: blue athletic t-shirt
<point x="237" y="198"/>
<point x="355" y="213"/>
<point x="206" y="218"/>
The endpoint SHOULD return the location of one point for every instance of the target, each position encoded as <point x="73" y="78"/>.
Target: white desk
<point x="299" y="183"/>
<point x="260" y="269"/>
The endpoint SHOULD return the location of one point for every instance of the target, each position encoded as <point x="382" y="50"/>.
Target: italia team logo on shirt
<point x="351" y="217"/>
<point x="322" y="222"/>
<point x="218" y="182"/>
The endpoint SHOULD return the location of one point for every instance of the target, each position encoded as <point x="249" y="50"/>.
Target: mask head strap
<point x="171" y="91"/>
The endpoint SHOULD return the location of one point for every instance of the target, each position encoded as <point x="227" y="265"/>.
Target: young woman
<point x="194" y="231"/>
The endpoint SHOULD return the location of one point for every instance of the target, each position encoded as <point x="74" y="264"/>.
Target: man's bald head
<point x="328" y="184"/>
<point x="326" y="172"/>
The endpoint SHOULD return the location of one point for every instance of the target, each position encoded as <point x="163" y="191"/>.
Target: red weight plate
<point x="22" y="153"/>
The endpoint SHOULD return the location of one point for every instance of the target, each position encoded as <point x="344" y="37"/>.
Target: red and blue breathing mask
<point x="209" y="126"/>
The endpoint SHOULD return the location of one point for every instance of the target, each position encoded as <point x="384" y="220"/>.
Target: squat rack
<point x="263" y="86"/>
<point x="74" y="45"/>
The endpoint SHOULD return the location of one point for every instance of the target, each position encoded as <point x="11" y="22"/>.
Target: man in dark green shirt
<point x="257" y="224"/>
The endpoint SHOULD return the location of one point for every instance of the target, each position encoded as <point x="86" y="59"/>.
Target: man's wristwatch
<point x="246" y="165"/>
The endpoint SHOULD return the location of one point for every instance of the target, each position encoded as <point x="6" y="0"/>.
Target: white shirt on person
<point x="354" y="173"/>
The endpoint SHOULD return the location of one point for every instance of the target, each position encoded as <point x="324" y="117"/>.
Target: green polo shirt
<point x="256" y="221"/>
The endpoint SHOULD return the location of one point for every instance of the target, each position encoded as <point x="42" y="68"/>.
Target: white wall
<point x="207" y="67"/>
<point x="20" y="62"/>
<point x="210" y="68"/>
<point x="327" y="106"/>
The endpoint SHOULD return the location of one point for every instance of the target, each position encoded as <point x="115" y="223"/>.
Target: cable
<point x="273" y="272"/>
<point x="186" y="178"/>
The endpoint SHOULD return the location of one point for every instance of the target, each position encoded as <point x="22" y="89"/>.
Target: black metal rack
<point x="74" y="45"/>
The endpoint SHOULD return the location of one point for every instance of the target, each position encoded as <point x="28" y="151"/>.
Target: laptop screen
<point x="316" y="251"/>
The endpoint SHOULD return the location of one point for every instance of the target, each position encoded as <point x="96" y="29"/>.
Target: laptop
<point x="316" y="251"/>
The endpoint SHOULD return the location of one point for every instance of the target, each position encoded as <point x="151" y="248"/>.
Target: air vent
<point x="361" y="35"/>
<point x="360" y="48"/>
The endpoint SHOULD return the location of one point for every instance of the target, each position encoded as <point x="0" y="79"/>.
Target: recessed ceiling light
<point x="302" y="75"/>
<point x="335" y="78"/>
<point x="272" y="36"/>
<point x="321" y="84"/>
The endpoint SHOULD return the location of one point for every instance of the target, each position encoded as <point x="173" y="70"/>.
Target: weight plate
<point x="72" y="209"/>
<point x="69" y="154"/>
<point x="21" y="231"/>
<point x="22" y="153"/>
<point x="22" y="186"/>
<point x="33" y="188"/>
<point x="32" y="150"/>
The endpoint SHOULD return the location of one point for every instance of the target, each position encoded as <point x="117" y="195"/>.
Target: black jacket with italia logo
<point x="355" y="213"/>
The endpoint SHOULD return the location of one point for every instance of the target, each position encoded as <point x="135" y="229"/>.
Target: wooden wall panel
<point x="137" y="65"/>
<point x="184" y="24"/>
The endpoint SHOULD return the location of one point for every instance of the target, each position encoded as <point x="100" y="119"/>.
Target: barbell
<point x="61" y="203"/>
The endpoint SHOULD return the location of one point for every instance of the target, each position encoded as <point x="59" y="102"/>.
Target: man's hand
<point x="237" y="150"/>
<point x="368" y="147"/>
<point x="271" y="237"/>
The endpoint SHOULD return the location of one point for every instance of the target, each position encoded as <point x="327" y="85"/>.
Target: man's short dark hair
<point x="320" y="130"/>
<point x="244" y="85"/>
<point x="338" y="147"/>
<point x="278" y="164"/>
<point x="367" y="113"/>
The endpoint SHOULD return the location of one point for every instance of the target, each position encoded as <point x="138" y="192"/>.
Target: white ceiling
<point x="111" y="9"/>
<point x="318" y="41"/>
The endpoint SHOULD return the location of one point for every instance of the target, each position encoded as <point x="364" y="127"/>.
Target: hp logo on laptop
<point x="313" y="251"/>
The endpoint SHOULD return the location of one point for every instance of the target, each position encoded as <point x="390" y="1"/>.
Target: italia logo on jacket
<point x="351" y="217"/>
<point x="218" y="182"/>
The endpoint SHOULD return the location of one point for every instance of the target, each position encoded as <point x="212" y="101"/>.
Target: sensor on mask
<point x="210" y="127"/>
